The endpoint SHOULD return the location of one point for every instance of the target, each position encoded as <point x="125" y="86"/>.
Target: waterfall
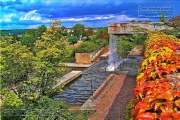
<point x="113" y="61"/>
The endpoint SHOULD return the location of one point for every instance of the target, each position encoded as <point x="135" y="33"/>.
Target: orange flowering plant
<point x="157" y="94"/>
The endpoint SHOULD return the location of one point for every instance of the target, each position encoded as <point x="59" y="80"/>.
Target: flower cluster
<point x="157" y="94"/>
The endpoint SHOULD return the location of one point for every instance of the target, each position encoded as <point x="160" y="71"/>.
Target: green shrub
<point x="125" y="45"/>
<point x="73" y="39"/>
<point x="80" y="115"/>
<point x="101" y="42"/>
<point x="86" y="47"/>
<point x="70" y="57"/>
<point x="175" y="31"/>
<point x="139" y="39"/>
<point x="128" y="111"/>
<point x="123" y="48"/>
<point x="127" y="42"/>
<point x="46" y="108"/>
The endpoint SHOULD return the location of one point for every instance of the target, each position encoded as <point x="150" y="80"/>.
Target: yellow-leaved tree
<point x="49" y="53"/>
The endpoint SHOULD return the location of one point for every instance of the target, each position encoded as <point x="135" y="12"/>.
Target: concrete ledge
<point x="91" y="103"/>
<point x="102" y="87"/>
<point x="104" y="56"/>
<point x="67" y="78"/>
<point x="81" y="65"/>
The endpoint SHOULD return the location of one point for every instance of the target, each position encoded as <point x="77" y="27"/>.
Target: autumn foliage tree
<point x="102" y="33"/>
<point x="30" y="76"/>
<point x="16" y="62"/>
<point x="16" y="65"/>
<point x="90" y="31"/>
<point x="49" y="53"/>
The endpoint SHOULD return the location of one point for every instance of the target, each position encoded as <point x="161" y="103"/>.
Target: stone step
<point x="67" y="78"/>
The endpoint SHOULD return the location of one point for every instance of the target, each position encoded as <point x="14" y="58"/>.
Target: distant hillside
<point x="14" y="31"/>
<point x="175" y="19"/>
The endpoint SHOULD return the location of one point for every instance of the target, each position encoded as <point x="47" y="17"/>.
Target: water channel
<point x="77" y="92"/>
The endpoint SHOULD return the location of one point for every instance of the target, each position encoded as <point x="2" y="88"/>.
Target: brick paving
<point x="113" y="105"/>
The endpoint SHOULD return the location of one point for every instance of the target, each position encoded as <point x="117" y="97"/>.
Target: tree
<point x="73" y="39"/>
<point x="32" y="32"/>
<point x="102" y="33"/>
<point x="86" y="47"/>
<point x="54" y="32"/>
<point x="64" y="31"/>
<point x="15" y="37"/>
<point x="162" y="17"/>
<point x="78" y="30"/>
<point x="46" y="108"/>
<point x="33" y="76"/>
<point x="1" y="33"/>
<point x="147" y="21"/>
<point x="16" y="68"/>
<point x="11" y="103"/>
<point x="89" y="31"/>
<point x="40" y="31"/>
<point x="49" y="54"/>
<point x="56" y="23"/>
<point x="10" y="39"/>
<point x="35" y="73"/>
<point x="133" y="21"/>
<point x="28" y="40"/>
<point x="16" y="63"/>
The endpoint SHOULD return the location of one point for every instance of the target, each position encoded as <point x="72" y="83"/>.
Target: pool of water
<point x="78" y="91"/>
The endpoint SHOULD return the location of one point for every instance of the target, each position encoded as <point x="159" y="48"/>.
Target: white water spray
<point x="114" y="61"/>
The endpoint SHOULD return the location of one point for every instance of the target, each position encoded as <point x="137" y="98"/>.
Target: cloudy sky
<point x="25" y="14"/>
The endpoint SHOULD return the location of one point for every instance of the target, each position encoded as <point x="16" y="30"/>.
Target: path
<point x="113" y="105"/>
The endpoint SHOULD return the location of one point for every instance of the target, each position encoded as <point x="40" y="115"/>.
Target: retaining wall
<point x="87" y="58"/>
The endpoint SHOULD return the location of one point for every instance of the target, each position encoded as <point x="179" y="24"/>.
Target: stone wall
<point x="126" y="28"/>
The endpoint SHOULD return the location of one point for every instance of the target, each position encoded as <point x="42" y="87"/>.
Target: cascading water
<point x="114" y="61"/>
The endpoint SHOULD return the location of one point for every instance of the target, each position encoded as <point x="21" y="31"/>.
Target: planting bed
<point x="157" y="94"/>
